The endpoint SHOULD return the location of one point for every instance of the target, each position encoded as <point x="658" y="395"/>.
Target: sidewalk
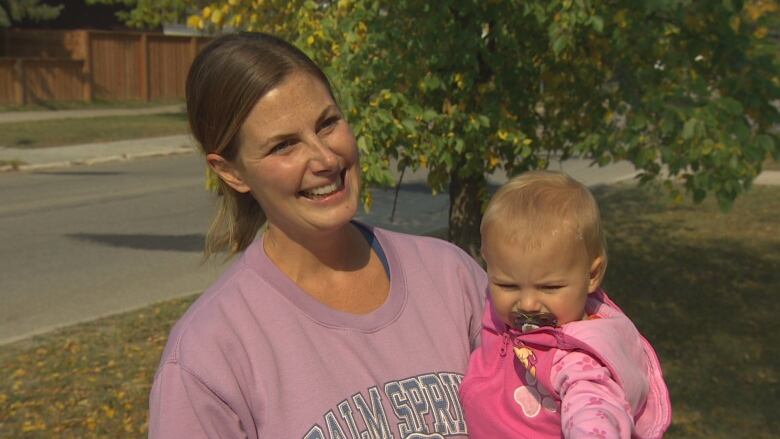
<point x="32" y="159"/>
<point x="29" y="116"/>
<point x="35" y="159"/>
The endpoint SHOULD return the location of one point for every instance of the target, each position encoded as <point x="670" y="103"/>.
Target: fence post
<point x="19" y="85"/>
<point x="143" y="66"/>
<point x="86" y="68"/>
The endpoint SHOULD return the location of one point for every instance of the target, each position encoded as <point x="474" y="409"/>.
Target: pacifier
<point x="527" y="322"/>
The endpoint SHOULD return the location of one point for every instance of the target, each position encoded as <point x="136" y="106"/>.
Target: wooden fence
<point x="85" y="65"/>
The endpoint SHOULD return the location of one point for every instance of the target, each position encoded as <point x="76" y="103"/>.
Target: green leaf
<point x="597" y="23"/>
<point x="765" y="142"/>
<point x="689" y="129"/>
<point x="559" y="44"/>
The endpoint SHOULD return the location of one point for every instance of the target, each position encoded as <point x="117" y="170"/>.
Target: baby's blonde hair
<point x="538" y="204"/>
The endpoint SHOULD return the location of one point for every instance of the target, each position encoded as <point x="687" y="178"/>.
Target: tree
<point x="680" y="88"/>
<point x="18" y="10"/>
<point x="149" y="14"/>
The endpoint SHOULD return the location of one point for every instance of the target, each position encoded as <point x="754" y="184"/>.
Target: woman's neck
<point x="297" y="256"/>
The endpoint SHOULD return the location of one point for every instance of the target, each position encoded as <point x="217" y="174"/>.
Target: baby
<point x="558" y="357"/>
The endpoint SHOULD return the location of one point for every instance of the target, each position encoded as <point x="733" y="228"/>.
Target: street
<point x="88" y="241"/>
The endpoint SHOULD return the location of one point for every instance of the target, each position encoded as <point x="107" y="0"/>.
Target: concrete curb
<point x="24" y="167"/>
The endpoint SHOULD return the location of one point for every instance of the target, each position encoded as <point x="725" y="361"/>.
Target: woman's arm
<point x="593" y="405"/>
<point x="182" y="406"/>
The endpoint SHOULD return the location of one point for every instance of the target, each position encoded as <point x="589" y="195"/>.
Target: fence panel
<point x="169" y="60"/>
<point x="115" y="66"/>
<point x="52" y="80"/>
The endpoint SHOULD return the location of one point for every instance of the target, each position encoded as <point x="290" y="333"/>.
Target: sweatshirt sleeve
<point x="593" y="405"/>
<point x="182" y="406"/>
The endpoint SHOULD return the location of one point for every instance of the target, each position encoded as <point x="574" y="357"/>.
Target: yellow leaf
<point x="217" y="16"/>
<point x="503" y="135"/>
<point x="206" y="12"/>
<point x="310" y="40"/>
<point x="108" y="411"/>
<point x="527" y="141"/>
<point x="760" y="32"/>
<point x="734" y="23"/>
<point x="423" y="159"/>
<point x="620" y="18"/>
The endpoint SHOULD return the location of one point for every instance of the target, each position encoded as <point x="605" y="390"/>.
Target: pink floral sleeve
<point x="593" y="405"/>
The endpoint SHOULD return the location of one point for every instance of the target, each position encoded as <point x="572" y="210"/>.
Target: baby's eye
<point x="551" y="288"/>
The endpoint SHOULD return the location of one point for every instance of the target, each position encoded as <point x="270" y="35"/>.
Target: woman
<point x="324" y="327"/>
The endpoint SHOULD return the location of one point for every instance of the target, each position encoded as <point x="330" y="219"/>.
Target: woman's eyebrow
<point x="284" y="136"/>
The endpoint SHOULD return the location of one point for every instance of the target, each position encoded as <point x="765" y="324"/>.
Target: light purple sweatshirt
<point x="257" y="357"/>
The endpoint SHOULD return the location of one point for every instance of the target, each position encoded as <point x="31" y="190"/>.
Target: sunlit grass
<point x="702" y="286"/>
<point x="96" y="104"/>
<point x="61" y="132"/>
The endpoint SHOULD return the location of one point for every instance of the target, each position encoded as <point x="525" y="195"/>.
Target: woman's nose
<point x="323" y="157"/>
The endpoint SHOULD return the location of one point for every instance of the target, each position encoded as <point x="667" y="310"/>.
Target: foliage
<point x="145" y="14"/>
<point x="465" y="88"/>
<point x="17" y="10"/>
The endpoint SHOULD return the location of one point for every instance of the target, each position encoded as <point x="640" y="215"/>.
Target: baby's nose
<point x="528" y="304"/>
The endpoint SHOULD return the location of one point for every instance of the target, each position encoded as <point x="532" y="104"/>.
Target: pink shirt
<point x="592" y="378"/>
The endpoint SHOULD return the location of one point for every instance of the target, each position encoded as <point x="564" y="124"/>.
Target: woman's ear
<point x="227" y="172"/>
<point x="596" y="275"/>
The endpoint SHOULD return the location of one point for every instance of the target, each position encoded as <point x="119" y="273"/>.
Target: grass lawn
<point x="81" y="105"/>
<point x="701" y="285"/>
<point x="60" y="132"/>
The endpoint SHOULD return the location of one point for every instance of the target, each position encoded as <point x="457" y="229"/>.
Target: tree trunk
<point x="466" y="212"/>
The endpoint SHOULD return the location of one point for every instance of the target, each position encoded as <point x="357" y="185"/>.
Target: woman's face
<point x="298" y="158"/>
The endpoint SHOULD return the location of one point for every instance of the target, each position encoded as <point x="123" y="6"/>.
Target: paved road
<point x="88" y="241"/>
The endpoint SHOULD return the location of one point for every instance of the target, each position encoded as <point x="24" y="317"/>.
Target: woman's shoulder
<point x="204" y="326"/>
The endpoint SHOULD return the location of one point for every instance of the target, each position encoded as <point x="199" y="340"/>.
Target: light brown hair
<point x="224" y="83"/>
<point x="534" y="205"/>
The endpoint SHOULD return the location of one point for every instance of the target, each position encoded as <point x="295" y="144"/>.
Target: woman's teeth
<point x="326" y="190"/>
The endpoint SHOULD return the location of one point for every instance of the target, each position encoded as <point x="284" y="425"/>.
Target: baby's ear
<point x="596" y="275"/>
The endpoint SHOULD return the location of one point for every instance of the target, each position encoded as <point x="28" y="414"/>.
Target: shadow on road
<point x="78" y="173"/>
<point x="185" y="243"/>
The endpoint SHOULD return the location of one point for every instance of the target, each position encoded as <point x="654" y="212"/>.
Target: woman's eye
<point x="329" y="123"/>
<point x="281" y="147"/>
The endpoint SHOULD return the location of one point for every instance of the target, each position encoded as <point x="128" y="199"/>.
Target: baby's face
<point x="553" y="278"/>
